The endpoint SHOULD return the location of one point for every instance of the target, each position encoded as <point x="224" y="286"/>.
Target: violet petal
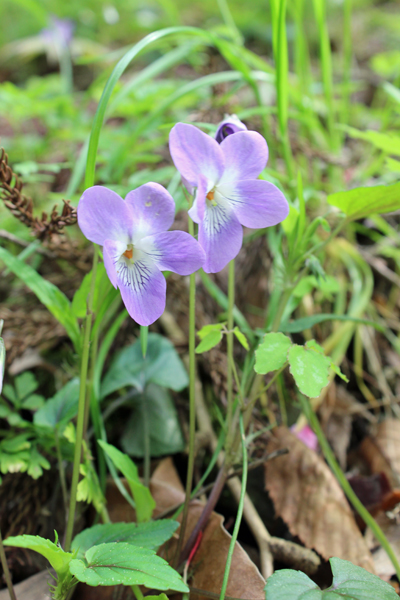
<point x="221" y="236"/>
<point x="256" y="203"/>
<point x="196" y="154"/>
<point x="152" y="208"/>
<point x="143" y="290"/>
<point x="176" y="251"/>
<point x="246" y="154"/>
<point x="103" y="215"/>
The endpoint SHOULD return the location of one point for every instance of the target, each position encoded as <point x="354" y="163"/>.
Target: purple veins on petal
<point x="137" y="245"/>
<point x="230" y="125"/>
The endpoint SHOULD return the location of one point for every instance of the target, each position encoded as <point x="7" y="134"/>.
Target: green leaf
<point x="362" y="202"/>
<point x="153" y="412"/>
<point x="60" y="409"/>
<point x="241" y="338"/>
<point x="307" y="322"/>
<point x="146" y="535"/>
<point x="126" y="564"/>
<point x="309" y="367"/>
<point x="79" y="301"/>
<point x="33" y="402"/>
<point x="204" y="331"/>
<point x="25" y="385"/>
<point x="338" y="372"/>
<point x="144" y="501"/>
<point x="161" y="366"/>
<point x="209" y="341"/>
<point x="48" y="294"/>
<point x="388" y="142"/>
<point x="56" y="556"/>
<point x="272" y="353"/>
<point x="350" y="582"/>
<point x="37" y="463"/>
<point x="286" y="583"/>
<point x="89" y="489"/>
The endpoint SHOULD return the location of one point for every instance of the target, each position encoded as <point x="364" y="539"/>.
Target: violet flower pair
<point x="134" y="234"/>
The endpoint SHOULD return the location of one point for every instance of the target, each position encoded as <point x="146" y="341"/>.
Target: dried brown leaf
<point x="208" y="564"/>
<point x="391" y="528"/>
<point x="387" y="438"/>
<point x="309" y="499"/>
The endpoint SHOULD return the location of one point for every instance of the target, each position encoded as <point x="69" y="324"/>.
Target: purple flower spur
<point x="231" y="124"/>
<point x="228" y="193"/>
<point x="137" y="245"/>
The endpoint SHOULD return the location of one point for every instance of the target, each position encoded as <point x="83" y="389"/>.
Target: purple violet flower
<point x="59" y="31"/>
<point x="231" y="124"/>
<point x="137" y="245"/>
<point x="228" y="194"/>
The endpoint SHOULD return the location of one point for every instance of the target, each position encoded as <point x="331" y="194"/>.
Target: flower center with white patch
<point x="128" y="252"/>
<point x="210" y="198"/>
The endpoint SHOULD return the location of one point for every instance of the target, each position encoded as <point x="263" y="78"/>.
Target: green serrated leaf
<point x="144" y="501"/>
<point x="241" y="338"/>
<point x="146" y="535"/>
<point x="52" y="298"/>
<point x="37" y="463"/>
<point x="309" y="368"/>
<point x="272" y="353"/>
<point x="161" y="366"/>
<point x="209" y="341"/>
<point x="89" y="489"/>
<point x="56" y="556"/>
<point x="126" y="564"/>
<point x="362" y="202"/>
<point x="350" y="582"/>
<point x="210" y="328"/>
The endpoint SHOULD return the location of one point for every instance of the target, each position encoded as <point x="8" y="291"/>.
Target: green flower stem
<point x="6" y="571"/>
<point x="138" y="592"/>
<point x="81" y="406"/>
<point x="192" y="402"/>
<point x="229" y="345"/>
<point x="348" y="490"/>
<point x="239" y="512"/>
<point x="61" y="469"/>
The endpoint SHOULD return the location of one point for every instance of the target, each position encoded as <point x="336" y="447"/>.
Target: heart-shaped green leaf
<point x="147" y="535"/>
<point x="350" y="582"/>
<point x="271" y="354"/>
<point x="126" y="564"/>
<point x="309" y="367"/>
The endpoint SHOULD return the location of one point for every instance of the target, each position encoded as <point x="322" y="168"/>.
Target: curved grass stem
<point x="192" y="402"/>
<point x="239" y="512"/>
<point x="81" y="407"/>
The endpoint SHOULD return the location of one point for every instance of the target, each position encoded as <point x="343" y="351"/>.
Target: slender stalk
<point x="81" y="407"/>
<point x="348" y="490"/>
<point x="347" y="55"/>
<point x="138" y="592"/>
<point x="239" y="512"/>
<point x="229" y="345"/>
<point x="147" y="455"/>
<point x="192" y="402"/>
<point x="6" y="571"/>
<point x="205" y="515"/>
<point x="61" y="470"/>
<point x="144" y="334"/>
